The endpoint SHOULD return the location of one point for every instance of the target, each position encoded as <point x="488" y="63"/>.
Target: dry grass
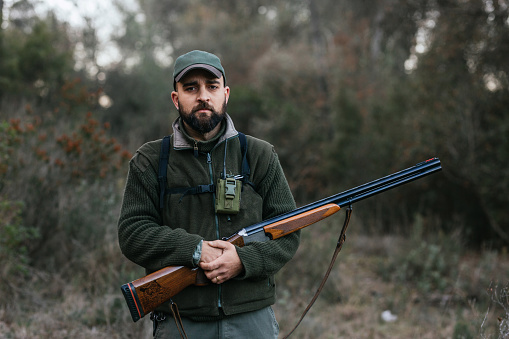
<point x="84" y="300"/>
<point x="359" y="290"/>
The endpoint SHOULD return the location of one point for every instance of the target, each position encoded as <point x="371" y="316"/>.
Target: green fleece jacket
<point x="155" y="240"/>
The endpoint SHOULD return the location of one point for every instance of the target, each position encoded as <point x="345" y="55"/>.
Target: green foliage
<point x="462" y="330"/>
<point x="62" y="164"/>
<point x="8" y="139"/>
<point x="428" y="264"/>
<point x="459" y="96"/>
<point x="144" y="114"/>
<point x="36" y="59"/>
<point x="14" y="238"/>
<point x="426" y="267"/>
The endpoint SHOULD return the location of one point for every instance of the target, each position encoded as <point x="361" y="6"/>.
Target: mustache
<point x="203" y="105"/>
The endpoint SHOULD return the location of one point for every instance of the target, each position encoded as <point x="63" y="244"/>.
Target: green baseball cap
<point x="197" y="59"/>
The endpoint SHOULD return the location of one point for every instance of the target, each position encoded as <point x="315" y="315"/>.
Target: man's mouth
<point x="203" y="109"/>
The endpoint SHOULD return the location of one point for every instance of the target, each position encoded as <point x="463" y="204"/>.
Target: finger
<point x="225" y="267"/>
<point x="220" y="244"/>
<point x="210" y="253"/>
<point x="215" y="278"/>
<point x="208" y="267"/>
<point x="211" y="275"/>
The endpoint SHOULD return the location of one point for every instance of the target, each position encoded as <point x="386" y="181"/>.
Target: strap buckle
<point x="230" y="186"/>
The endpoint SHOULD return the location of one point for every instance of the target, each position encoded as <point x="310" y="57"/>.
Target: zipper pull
<point x="196" y="149"/>
<point x="209" y="159"/>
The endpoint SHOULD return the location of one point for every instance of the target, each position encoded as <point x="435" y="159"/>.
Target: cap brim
<point x="217" y="73"/>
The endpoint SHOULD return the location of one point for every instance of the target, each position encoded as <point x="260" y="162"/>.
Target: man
<point x="205" y="150"/>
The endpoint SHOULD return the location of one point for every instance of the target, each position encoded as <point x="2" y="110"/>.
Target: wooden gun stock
<point x="145" y="294"/>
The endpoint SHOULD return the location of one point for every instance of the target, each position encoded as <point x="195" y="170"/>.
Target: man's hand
<point x="225" y="266"/>
<point x="209" y="253"/>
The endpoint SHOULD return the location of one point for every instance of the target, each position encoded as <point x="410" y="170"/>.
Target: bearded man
<point x="186" y="225"/>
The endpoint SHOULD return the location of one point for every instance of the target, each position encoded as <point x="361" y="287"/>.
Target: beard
<point x="200" y="123"/>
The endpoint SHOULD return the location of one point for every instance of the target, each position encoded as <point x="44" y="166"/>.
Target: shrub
<point x="14" y="237"/>
<point x="427" y="264"/>
<point x="499" y="296"/>
<point x="62" y="164"/>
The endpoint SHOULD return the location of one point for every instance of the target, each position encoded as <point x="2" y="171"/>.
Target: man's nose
<point x="203" y="94"/>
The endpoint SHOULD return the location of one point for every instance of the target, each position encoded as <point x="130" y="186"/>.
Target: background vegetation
<point x="346" y="91"/>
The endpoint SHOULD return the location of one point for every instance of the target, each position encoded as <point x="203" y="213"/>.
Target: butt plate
<point x="133" y="302"/>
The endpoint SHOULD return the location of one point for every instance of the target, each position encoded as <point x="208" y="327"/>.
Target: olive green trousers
<point x="257" y="324"/>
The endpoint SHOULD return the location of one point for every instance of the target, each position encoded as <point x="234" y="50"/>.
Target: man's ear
<point x="227" y="93"/>
<point x="175" y="99"/>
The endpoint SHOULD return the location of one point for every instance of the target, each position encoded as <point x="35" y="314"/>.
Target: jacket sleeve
<point x="263" y="259"/>
<point x="142" y="238"/>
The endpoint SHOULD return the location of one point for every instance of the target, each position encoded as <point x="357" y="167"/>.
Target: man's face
<point x="201" y="100"/>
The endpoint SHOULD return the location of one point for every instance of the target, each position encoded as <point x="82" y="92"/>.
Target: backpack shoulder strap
<point x="164" y="156"/>
<point x="245" y="171"/>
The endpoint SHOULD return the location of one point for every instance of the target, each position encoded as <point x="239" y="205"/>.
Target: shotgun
<point x="145" y="294"/>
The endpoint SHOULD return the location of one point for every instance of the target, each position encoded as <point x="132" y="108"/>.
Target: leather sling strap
<point x="178" y="320"/>
<point x="339" y="245"/>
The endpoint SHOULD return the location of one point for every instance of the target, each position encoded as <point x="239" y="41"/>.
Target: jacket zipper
<point x="195" y="149"/>
<point x="211" y="173"/>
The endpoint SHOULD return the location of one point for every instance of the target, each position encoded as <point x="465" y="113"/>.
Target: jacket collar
<point x="180" y="141"/>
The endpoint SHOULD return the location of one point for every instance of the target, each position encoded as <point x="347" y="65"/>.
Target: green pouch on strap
<point x="228" y="195"/>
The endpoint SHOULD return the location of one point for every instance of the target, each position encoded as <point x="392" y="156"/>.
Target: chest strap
<point x="193" y="190"/>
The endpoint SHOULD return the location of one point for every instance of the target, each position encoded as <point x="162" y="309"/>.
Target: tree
<point x="336" y="87"/>
<point x="56" y="157"/>
<point x="38" y="56"/>
<point x="461" y="94"/>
